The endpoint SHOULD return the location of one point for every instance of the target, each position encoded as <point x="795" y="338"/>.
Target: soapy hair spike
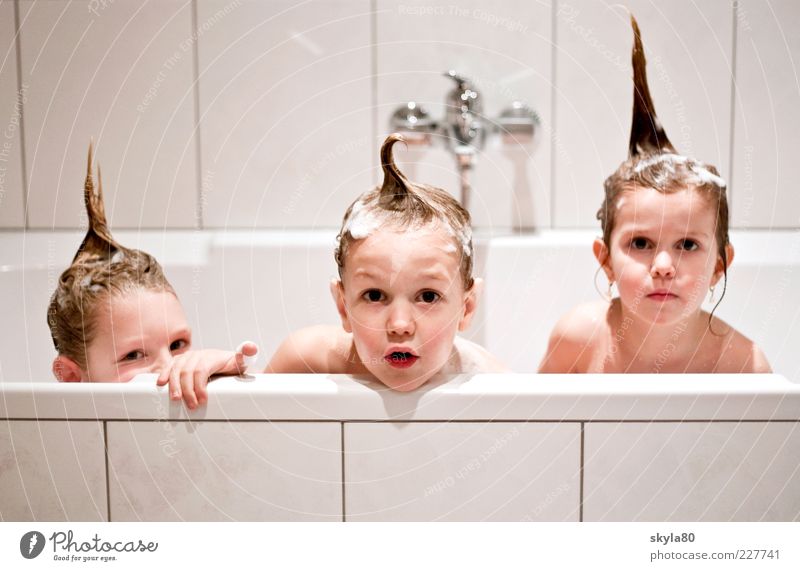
<point x="647" y="134"/>
<point x="396" y="190"/>
<point x="98" y="242"/>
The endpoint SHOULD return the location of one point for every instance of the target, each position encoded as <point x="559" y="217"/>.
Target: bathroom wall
<point x="268" y="114"/>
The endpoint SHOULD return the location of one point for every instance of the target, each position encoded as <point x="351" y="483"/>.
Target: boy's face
<point x="664" y="254"/>
<point x="403" y="299"/>
<point x="136" y="333"/>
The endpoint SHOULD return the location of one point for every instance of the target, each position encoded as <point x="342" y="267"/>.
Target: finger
<point x="187" y="382"/>
<point x="173" y="371"/>
<point x="246" y="356"/>
<point x="201" y="375"/>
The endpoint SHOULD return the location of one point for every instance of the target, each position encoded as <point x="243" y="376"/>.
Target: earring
<point x="711" y="294"/>
<point x="605" y="295"/>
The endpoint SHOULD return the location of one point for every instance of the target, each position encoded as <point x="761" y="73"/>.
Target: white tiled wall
<point x="223" y="471"/>
<point x="706" y="471"/>
<point x="52" y="471"/>
<point x="462" y="471"/>
<point x="284" y="105"/>
<point x="766" y="146"/>
<point x="11" y="192"/>
<point x="123" y="75"/>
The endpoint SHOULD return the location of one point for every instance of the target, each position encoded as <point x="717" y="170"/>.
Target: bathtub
<point x="317" y="447"/>
<point x="261" y="285"/>
<point x="488" y="447"/>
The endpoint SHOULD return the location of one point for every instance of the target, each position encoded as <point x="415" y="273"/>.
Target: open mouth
<point x="401" y="359"/>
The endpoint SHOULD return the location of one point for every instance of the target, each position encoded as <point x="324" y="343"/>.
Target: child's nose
<point x="663" y="265"/>
<point x="401" y="320"/>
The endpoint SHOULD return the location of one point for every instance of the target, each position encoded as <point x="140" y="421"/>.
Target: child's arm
<point x="317" y="349"/>
<point x="189" y="372"/>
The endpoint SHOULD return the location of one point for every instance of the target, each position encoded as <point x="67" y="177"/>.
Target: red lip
<point x="401" y="358"/>
<point x="662" y="295"/>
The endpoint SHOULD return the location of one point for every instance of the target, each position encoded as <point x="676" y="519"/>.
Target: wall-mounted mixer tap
<point x="464" y="128"/>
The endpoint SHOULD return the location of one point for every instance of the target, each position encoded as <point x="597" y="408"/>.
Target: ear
<point x="471" y="299"/>
<point x="603" y="257"/>
<point x="337" y="291"/>
<point x="67" y="370"/>
<point x="719" y="269"/>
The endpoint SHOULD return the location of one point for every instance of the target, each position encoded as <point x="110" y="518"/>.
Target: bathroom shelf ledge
<point x="507" y="397"/>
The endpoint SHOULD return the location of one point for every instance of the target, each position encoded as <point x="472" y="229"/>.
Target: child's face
<point x="403" y="299"/>
<point x="663" y="253"/>
<point x="136" y="333"/>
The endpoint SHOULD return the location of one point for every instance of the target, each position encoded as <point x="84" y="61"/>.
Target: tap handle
<point x="461" y="81"/>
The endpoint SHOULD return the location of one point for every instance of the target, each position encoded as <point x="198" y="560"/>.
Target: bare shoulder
<point x="737" y="353"/>
<point x="473" y="358"/>
<point x="315" y="349"/>
<point x="573" y="337"/>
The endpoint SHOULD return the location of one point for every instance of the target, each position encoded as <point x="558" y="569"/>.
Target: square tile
<point x="223" y="471"/>
<point x="52" y="471"/>
<point x="285" y="112"/>
<point x="505" y="50"/>
<point x="698" y="471"/>
<point x="462" y="471"/>
<point x="767" y="114"/>
<point x="122" y="74"/>
<point x="688" y="49"/>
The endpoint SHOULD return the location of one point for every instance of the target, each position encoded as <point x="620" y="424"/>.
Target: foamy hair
<point x="100" y="268"/>
<point x="401" y="203"/>
<point x="653" y="162"/>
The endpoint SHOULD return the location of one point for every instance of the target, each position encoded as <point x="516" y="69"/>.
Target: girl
<point x="114" y="315"/>
<point x="405" y="288"/>
<point x="665" y="244"/>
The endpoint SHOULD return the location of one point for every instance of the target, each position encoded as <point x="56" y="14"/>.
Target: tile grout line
<point x="21" y="103"/>
<point x="344" y="488"/>
<point x="580" y="506"/>
<point x="108" y="487"/>
<point x="731" y="134"/>
<point x="553" y="93"/>
<point x="199" y="214"/>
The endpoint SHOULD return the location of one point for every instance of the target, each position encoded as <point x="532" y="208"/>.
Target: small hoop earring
<point x="605" y="295"/>
<point x="711" y="294"/>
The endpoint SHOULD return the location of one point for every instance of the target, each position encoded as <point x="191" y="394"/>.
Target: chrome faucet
<point x="464" y="129"/>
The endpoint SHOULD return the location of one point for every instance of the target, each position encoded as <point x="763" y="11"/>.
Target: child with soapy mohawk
<point x="405" y="289"/>
<point x="114" y="315"/>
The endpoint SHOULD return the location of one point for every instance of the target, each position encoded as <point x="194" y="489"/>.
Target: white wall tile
<point x="505" y="49"/>
<point x="12" y="213"/>
<point x="718" y="471"/>
<point x="688" y="47"/>
<point x="52" y="471"/>
<point x="766" y="145"/>
<point x="221" y="471"/>
<point x="285" y="112"/>
<point x="462" y="471"/>
<point x="123" y="75"/>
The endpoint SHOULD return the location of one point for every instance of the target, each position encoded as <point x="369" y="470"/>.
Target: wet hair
<point x="401" y="203"/>
<point x="653" y="162"/>
<point x="102" y="268"/>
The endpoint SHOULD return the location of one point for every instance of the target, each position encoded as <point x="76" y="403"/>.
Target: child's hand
<point x="189" y="372"/>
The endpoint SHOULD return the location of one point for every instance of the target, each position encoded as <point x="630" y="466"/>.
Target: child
<point x="114" y="315"/>
<point x="665" y="243"/>
<point x="405" y="288"/>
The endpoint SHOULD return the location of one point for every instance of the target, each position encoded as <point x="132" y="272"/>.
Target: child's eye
<point x="178" y="344"/>
<point x="133" y="356"/>
<point x="640" y="243"/>
<point x="373" y="295"/>
<point x="688" y="245"/>
<point x="429" y="296"/>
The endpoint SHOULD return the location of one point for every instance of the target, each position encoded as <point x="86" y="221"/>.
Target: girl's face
<point x="402" y="298"/>
<point x="135" y="333"/>
<point x="663" y="253"/>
